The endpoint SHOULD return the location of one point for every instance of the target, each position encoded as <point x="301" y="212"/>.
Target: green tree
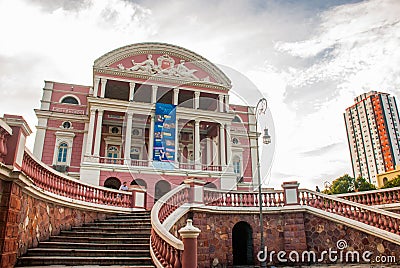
<point x="343" y="184"/>
<point x="392" y="183"/>
<point x="361" y="184"/>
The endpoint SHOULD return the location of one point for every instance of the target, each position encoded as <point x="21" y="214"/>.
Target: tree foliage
<point x="347" y="184"/>
<point x="392" y="183"/>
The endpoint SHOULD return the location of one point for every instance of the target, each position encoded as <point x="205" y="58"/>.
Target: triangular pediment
<point x="163" y="60"/>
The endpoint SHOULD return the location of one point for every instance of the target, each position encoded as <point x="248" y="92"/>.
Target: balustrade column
<point x="131" y="90"/>
<point x="196" y="100"/>
<point x="151" y="139"/>
<point x="176" y="96"/>
<point x="97" y="140"/>
<point x="197" y="144"/>
<point x="189" y="235"/>
<point x="89" y="138"/>
<point x="222" y="144"/>
<point x="96" y="87"/>
<point x="103" y="87"/>
<point x="128" y="137"/>
<point x="154" y="93"/>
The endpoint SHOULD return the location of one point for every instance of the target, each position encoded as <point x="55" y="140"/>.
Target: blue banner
<point x="164" y="134"/>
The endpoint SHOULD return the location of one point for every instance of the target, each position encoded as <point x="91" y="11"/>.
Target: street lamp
<point x="261" y="108"/>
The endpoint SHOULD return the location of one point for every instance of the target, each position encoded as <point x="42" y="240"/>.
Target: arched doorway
<point x="162" y="187"/>
<point x="242" y="243"/>
<point x="139" y="182"/>
<point x="113" y="183"/>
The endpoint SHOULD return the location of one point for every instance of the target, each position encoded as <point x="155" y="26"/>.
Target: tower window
<point x="62" y="153"/>
<point x="70" y="100"/>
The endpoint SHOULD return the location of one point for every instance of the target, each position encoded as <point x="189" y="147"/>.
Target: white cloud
<point x="309" y="64"/>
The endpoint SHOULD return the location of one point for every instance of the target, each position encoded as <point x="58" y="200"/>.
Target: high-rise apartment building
<point x="372" y="126"/>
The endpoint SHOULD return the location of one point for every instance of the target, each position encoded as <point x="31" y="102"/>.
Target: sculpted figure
<point x="182" y="70"/>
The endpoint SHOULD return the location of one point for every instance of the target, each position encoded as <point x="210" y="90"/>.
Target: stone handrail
<point x="165" y="248"/>
<point x="270" y="198"/>
<point x="384" y="220"/>
<point x="375" y="197"/>
<point x="57" y="183"/>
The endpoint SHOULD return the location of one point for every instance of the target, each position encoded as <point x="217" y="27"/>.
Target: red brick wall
<point x="24" y="221"/>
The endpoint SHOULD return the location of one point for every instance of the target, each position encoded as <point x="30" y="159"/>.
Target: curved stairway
<point x="119" y="240"/>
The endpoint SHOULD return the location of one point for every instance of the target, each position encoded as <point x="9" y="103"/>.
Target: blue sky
<point x="308" y="58"/>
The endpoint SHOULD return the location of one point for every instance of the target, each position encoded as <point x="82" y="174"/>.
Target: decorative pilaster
<point x="89" y="142"/>
<point x="222" y="144"/>
<point x="176" y="96"/>
<point x="196" y="99"/>
<point x="97" y="140"/>
<point x="96" y="87"/>
<point x="221" y="103"/>
<point x="226" y="103"/>
<point x="197" y="144"/>
<point x="103" y="87"/>
<point x="154" y="93"/>
<point x="131" y="90"/>
<point x="128" y="137"/>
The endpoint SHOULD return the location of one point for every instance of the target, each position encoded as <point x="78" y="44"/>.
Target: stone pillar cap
<point x="189" y="231"/>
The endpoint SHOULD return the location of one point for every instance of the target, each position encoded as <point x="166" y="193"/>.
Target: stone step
<point x="61" y="260"/>
<point x="99" y="240"/>
<point x="113" y="229"/>
<point x="119" y="224"/>
<point x="67" y="252"/>
<point x="116" y="235"/>
<point x="80" y="245"/>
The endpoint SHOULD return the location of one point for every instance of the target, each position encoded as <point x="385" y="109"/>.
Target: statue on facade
<point x="182" y="70"/>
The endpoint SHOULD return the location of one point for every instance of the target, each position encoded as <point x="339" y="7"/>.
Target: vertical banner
<point x="164" y="136"/>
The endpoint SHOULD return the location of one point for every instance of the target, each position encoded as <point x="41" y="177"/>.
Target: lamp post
<point x="261" y="108"/>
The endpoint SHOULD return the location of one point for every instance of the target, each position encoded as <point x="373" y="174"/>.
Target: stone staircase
<point x="118" y="240"/>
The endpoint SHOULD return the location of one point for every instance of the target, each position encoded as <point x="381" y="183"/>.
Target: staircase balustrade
<point x="166" y="248"/>
<point x="54" y="182"/>
<point x="375" y="197"/>
<point x="378" y="218"/>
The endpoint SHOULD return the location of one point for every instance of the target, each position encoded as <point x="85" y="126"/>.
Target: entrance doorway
<point x="242" y="243"/>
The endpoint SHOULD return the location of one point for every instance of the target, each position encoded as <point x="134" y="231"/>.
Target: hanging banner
<point x="164" y="136"/>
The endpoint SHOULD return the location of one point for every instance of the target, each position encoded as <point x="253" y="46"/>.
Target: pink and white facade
<point x="105" y="134"/>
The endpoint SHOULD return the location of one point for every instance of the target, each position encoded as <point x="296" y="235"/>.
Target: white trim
<point x="63" y="137"/>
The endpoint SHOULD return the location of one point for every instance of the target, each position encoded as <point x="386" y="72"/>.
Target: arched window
<point x="70" y="100"/>
<point x="62" y="152"/>
<point x="112" y="152"/>
<point x="236" y="119"/>
<point x="236" y="165"/>
<point x="113" y="183"/>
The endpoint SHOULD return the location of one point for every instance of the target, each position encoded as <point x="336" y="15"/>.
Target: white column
<point x="196" y="100"/>
<point x="98" y="133"/>
<point x="96" y="87"/>
<point x="103" y="87"/>
<point x="176" y="96"/>
<point x="90" y="132"/>
<point x="226" y="103"/>
<point x="228" y="145"/>
<point x="128" y="137"/>
<point x="131" y="90"/>
<point x="209" y="151"/>
<point x="222" y="144"/>
<point x="221" y="103"/>
<point x="151" y="139"/>
<point x="197" y="144"/>
<point x="176" y="141"/>
<point x="154" y="93"/>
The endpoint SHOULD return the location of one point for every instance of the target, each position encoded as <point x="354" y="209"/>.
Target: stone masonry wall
<point x="25" y="221"/>
<point x="282" y="232"/>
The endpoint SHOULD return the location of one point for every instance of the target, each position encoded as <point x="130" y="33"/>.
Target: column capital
<point x="129" y="113"/>
<point x="100" y="111"/>
<point x="197" y="94"/>
<point x="154" y="86"/>
<point x="189" y="231"/>
<point x="96" y="79"/>
<point x="176" y="90"/>
<point x="93" y="111"/>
